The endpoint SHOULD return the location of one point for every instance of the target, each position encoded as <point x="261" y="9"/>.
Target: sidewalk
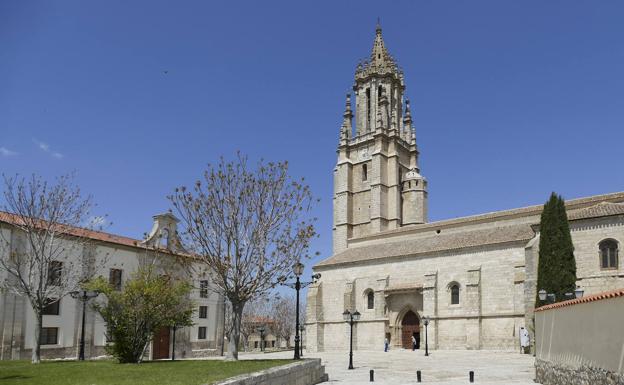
<point x="442" y="367"/>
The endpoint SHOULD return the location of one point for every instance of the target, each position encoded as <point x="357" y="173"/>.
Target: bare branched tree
<point x="255" y="311"/>
<point x="249" y="226"/>
<point x="283" y="314"/>
<point x="49" y="253"/>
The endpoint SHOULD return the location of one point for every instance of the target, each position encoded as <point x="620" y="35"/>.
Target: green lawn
<point x="112" y="373"/>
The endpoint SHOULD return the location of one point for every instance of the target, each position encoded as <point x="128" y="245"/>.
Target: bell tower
<point x="377" y="181"/>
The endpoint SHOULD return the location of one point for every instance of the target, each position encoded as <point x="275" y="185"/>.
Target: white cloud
<point x="6" y="152"/>
<point x="43" y="146"/>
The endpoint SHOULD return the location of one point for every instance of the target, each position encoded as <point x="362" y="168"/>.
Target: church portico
<point x="404" y="306"/>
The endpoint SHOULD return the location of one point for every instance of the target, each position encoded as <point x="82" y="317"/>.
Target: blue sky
<point x="511" y="100"/>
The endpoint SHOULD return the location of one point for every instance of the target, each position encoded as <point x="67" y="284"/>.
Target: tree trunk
<point x="234" y="341"/>
<point x="36" y="350"/>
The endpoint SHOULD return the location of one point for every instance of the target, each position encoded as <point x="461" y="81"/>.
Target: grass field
<point x="112" y="373"/>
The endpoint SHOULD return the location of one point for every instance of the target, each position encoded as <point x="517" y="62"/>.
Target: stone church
<point x="474" y="277"/>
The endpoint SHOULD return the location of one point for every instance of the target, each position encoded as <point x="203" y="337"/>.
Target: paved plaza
<point x="441" y="367"/>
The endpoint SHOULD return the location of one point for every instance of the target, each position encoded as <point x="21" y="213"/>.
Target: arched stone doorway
<point x="410" y="326"/>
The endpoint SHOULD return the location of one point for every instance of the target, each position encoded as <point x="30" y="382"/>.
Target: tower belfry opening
<point x="389" y="191"/>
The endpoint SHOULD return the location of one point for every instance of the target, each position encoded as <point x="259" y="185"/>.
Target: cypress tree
<point x="556" y="270"/>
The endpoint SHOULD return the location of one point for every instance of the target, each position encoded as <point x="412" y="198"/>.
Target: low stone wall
<point x="304" y="372"/>
<point x="550" y="373"/>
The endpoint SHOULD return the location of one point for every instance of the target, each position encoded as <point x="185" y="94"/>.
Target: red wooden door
<point x="160" y="348"/>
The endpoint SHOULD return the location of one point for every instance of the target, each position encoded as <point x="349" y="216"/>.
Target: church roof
<point x="496" y="232"/>
<point x="602" y="209"/>
<point x="505" y="215"/>
<point x="434" y="243"/>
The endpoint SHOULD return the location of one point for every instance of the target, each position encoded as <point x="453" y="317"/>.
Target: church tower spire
<point x="377" y="181"/>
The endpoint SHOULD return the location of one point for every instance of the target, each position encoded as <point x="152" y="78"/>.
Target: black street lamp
<point x="84" y="296"/>
<point x="351" y="319"/>
<point x="298" y="285"/>
<point x="174" y="327"/>
<point x="261" y="330"/>
<point x="301" y="329"/>
<point x="426" y="322"/>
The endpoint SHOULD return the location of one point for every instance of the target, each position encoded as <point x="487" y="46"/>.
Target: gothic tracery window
<point x="608" y="254"/>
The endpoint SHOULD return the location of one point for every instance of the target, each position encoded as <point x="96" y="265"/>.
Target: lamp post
<point x="551" y="298"/>
<point x="298" y="285"/>
<point x="351" y="319"/>
<point x="261" y="330"/>
<point x="174" y="327"/>
<point x="84" y="296"/>
<point x="426" y="322"/>
<point x="301" y="329"/>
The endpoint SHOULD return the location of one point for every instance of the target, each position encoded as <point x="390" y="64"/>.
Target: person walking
<point x="386" y="343"/>
<point x="413" y="343"/>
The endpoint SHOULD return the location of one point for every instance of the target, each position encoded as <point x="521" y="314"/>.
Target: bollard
<point x="418" y="378"/>
<point x="471" y="376"/>
<point x="372" y="375"/>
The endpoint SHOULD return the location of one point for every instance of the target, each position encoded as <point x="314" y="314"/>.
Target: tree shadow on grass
<point x="15" y="377"/>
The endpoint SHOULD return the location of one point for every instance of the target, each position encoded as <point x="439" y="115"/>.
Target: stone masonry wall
<point x="551" y="373"/>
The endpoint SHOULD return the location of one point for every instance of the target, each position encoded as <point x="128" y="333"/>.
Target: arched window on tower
<point x="368" y="108"/>
<point x="370" y="300"/>
<point x="454" y="294"/>
<point x="608" y="254"/>
<point x="364" y="172"/>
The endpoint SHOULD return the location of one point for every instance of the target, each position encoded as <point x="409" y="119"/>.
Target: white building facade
<point x="116" y="258"/>
<point x="474" y="277"/>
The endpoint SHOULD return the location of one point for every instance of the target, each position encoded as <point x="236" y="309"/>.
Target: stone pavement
<point x="442" y="367"/>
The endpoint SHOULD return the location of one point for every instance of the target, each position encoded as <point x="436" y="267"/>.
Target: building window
<point x="164" y="238"/>
<point x="608" y="254"/>
<point x="454" y="294"/>
<point x="364" y="172"/>
<point x="49" y="336"/>
<point x="370" y="297"/>
<point x="114" y="278"/>
<point x="255" y="344"/>
<point x="201" y="333"/>
<point x="273" y="343"/>
<point x="203" y="289"/>
<point x="203" y="312"/>
<point x="55" y="270"/>
<point x="52" y="307"/>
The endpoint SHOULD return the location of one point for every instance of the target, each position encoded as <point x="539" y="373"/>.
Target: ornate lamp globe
<point x="346" y="315"/>
<point x="298" y="268"/>
<point x="356" y="316"/>
<point x="542" y="295"/>
<point x="425" y="321"/>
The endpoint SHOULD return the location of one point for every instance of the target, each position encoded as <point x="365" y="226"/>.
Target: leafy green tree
<point x="147" y="303"/>
<point x="556" y="271"/>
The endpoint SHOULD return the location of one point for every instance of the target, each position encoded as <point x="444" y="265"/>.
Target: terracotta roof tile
<point x="590" y="298"/>
<point x="13" y="219"/>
